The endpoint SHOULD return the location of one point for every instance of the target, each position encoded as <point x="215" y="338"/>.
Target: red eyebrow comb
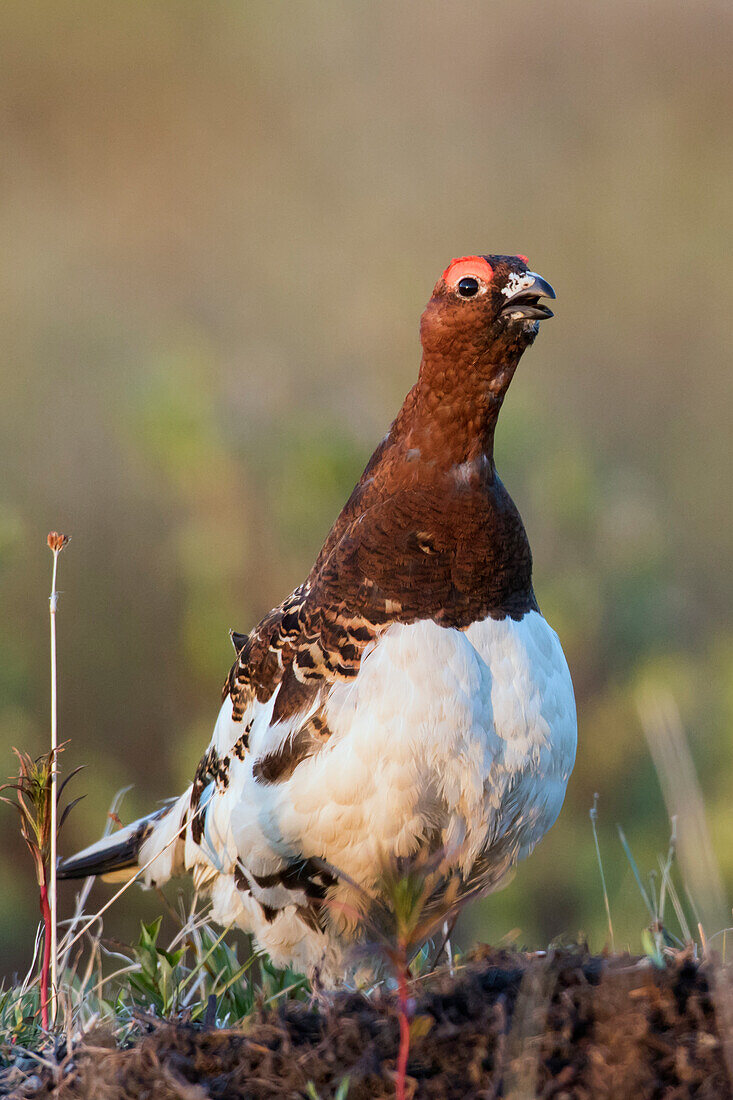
<point x="468" y="265"/>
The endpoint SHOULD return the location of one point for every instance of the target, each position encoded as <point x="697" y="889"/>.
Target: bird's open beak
<point x="523" y="293"/>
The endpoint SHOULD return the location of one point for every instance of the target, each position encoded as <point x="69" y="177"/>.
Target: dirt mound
<point x="566" y="1025"/>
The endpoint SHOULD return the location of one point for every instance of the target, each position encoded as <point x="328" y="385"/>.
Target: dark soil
<point x="507" y="1025"/>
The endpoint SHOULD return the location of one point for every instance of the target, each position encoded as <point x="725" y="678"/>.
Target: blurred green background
<point x="219" y="225"/>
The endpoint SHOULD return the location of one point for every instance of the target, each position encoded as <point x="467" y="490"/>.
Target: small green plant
<point x="34" y="797"/>
<point x="217" y="973"/>
<point x="34" y="792"/>
<point x="201" y="975"/>
<point x="411" y="892"/>
<point x="157" y="980"/>
<point x="656" y="938"/>
<point x="19" y="1016"/>
<point x="414" y="899"/>
<point x="341" y="1092"/>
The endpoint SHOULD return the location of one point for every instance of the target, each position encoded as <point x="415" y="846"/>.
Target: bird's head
<point x="485" y="304"/>
<point x="484" y="312"/>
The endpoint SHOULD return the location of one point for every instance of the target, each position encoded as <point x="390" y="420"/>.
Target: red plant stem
<point x="404" y="1033"/>
<point x="46" y="963"/>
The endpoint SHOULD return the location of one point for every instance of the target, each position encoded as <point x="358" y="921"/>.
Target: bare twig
<point x="593" y="820"/>
<point x="404" y="1018"/>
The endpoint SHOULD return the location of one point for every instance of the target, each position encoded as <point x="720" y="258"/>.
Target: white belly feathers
<point x="439" y="727"/>
<point x="468" y="736"/>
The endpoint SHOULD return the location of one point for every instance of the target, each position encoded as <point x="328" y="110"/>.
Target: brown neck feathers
<point x="450" y="414"/>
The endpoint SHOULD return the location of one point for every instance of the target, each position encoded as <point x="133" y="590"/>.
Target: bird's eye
<point x="467" y="286"/>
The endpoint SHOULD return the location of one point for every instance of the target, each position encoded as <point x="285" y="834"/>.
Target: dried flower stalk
<point x="56" y="543"/>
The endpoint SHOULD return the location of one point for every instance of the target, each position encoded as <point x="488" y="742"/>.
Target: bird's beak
<point x="523" y="293"/>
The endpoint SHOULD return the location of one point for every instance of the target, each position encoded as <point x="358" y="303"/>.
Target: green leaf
<point x="651" y="950"/>
<point x="149" y="932"/>
<point x="635" y="871"/>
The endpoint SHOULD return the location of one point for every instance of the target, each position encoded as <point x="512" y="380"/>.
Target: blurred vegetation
<point x="219" y="225"/>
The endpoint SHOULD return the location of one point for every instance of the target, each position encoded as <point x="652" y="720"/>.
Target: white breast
<point x="468" y="732"/>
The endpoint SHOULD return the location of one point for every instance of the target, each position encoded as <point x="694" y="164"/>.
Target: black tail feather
<point x="116" y="852"/>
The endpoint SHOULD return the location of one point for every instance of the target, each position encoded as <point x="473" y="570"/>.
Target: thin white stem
<point x="30" y="978"/>
<point x="81" y="897"/>
<point x="206" y="957"/>
<point x="130" y="882"/>
<point x="53" y="602"/>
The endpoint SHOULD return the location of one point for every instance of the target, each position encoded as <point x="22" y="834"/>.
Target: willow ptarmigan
<point x="408" y="695"/>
